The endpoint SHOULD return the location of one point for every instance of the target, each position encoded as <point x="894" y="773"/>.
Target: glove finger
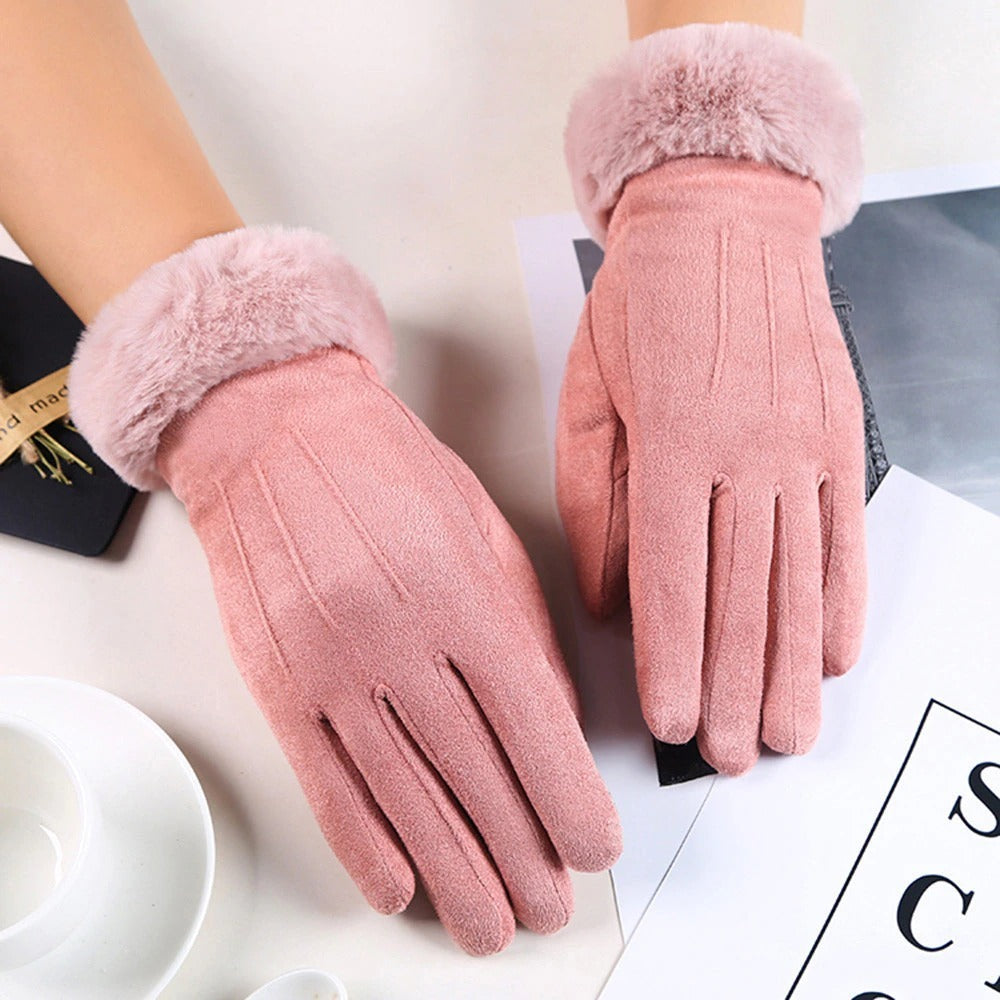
<point x="350" y="818"/>
<point x="354" y="825"/>
<point x="455" y="737"/>
<point x="512" y="559"/>
<point x="668" y="566"/>
<point x="461" y="881"/>
<point x="519" y="695"/>
<point x="740" y="531"/>
<point x="794" y="654"/>
<point x="592" y="477"/>
<point x="842" y="505"/>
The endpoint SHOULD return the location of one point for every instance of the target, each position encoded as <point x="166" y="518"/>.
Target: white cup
<point x="51" y="870"/>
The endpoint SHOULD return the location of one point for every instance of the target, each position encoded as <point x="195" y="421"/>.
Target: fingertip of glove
<point x="391" y="905"/>
<point x="728" y="757"/>
<point x="598" y="850"/>
<point x="391" y="900"/>
<point x="838" y="658"/>
<point x="669" y="693"/>
<point x="843" y="628"/>
<point x="672" y="727"/>
<point x="485" y="936"/>
<point x="834" y="669"/>
<point x="549" y="919"/>
<point x="792" y="744"/>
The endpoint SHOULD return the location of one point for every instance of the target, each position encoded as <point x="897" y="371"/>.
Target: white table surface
<point x="413" y="134"/>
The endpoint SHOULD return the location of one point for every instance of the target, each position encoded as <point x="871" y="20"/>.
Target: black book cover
<point x="38" y="333"/>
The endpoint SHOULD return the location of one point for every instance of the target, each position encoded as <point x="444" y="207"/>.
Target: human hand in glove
<point x="710" y="448"/>
<point x="381" y="610"/>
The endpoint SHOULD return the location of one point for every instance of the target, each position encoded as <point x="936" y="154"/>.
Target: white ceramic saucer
<point x="163" y="849"/>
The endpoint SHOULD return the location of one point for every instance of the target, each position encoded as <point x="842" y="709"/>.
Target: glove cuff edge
<point x="732" y="90"/>
<point x="224" y="305"/>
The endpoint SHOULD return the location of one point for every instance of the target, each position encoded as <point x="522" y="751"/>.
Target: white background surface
<point x="413" y="134"/>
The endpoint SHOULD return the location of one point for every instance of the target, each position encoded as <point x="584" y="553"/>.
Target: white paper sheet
<point x="792" y="880"/>
<point x="930" y="180"/>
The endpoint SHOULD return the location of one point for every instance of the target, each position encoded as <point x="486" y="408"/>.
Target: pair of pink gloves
<point x="710" y="466"/>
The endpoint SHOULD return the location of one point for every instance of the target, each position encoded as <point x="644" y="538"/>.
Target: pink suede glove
<point x="383" y="613"/>
<point x="710" y="447"/>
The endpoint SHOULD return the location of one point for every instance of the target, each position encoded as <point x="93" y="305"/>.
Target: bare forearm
<point x="647" y="16"/>
<point x="100" y="173"/>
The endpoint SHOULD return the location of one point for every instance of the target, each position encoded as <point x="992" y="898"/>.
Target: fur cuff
<point x="735" y="90"/>
<point x="224" y="305"/>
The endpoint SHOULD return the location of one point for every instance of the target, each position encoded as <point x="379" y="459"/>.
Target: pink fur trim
<point x="224" y="305"/>
<point x="734" y="90"/>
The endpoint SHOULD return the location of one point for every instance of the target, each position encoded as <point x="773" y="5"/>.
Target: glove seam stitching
<point x="722" y="479"/>
<point x="366" y="821"/>
<point x="510" y="782"/>
<point x="826" y="479"/>
<point x="810" y="329"/>
<point x="382" y="693"/>
<point x="353" y="517"/>
<point x="786" y="595"/>
<point x="237" y="538"/>
<point x="619" y="428"/>
<point x="423" y="434"/>
<point x="772" y="323"/>
<point x="722" y="316"/>
<point x="605" y="570"/>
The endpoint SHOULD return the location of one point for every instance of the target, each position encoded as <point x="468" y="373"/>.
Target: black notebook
<point x="38" y="333"/>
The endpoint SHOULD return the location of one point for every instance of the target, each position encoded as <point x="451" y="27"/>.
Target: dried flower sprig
<point x="46" y="455"/>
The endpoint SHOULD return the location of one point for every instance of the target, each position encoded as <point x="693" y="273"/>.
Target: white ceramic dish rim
<point x="184" y="766"/>
<point x="269" y="990"/>
<point x="89" y="819"/>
